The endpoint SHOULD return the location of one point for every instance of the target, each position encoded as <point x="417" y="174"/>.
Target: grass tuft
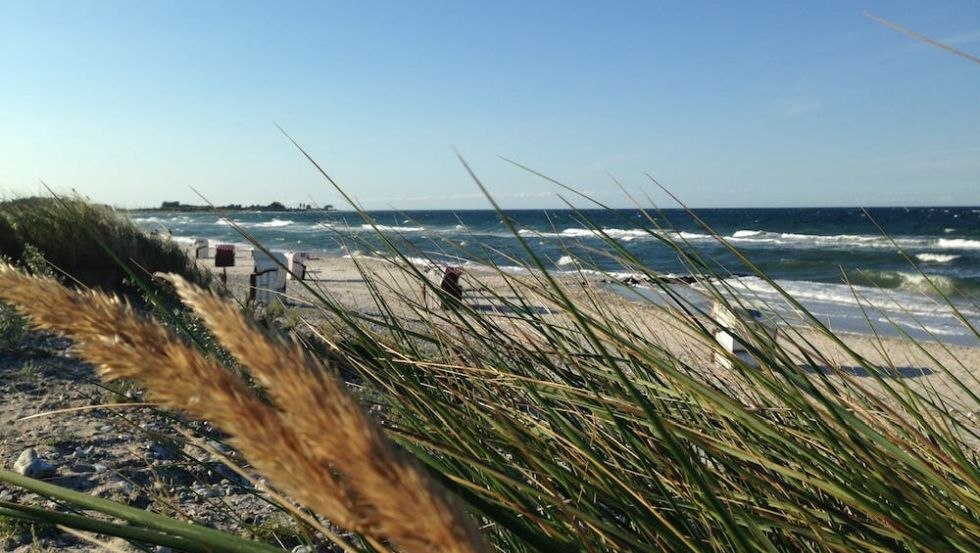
<point x="93" y="244"/>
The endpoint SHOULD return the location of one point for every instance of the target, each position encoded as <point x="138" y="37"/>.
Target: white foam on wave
<point x="848" y="308"/>
<point x="275" y="223"/>
<point x="936" y="257"/>
<point x="620" y="234"/>
<point x="627" y="234"/>
<point x="859" y="238"/>
<point x="621" y="276"/>
<point x="155" y="219"/>
<point x="958" y="244"/>
<point x="579" y="233"/>
<point x="748" y="237"/>
<point x="693" y="236"/>
<point x="925" y="284"/>
<point x="385" y="228"/>
<point x="840" y="294"/>
<point x="421" y="262"/>
<point x="797" y="239"/>
<point x="565" y="260"/>
<point x="539" y="234"/>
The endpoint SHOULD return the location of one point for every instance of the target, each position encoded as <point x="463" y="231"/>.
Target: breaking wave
<point x="621" y="234"/>
<point x="275" y="223"/>
<point x="847" y="308"/>
<point x="936" y="257"/>
<point x="823" y="240"/>
<point x="385" y="228"/>
<point x="958" y="244"/>
<point x="565" y="260"/>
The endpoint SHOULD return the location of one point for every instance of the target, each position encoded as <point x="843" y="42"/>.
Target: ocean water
<point x="834" y="260"/>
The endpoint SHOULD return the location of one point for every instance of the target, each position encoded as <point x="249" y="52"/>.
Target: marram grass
<point x="574" y="427"/>
<point x="598" y="436"/>
<point x="89" y="244"/>
<point x="316" y="444"/>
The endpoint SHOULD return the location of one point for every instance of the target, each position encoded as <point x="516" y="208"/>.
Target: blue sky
<point x="726" y="103"/>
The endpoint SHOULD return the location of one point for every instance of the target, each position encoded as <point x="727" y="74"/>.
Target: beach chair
<point x="200" y="248"/>
<point x="268" y="279"/>
<point x="736" y="328"/>
<point x="224" y="257"/>
<point x="297" y="265"/>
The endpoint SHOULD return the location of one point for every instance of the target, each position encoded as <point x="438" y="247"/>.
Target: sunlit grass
<point x="565" y="418"/>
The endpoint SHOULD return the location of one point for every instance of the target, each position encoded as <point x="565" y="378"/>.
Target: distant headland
<point x="274" y="206"/>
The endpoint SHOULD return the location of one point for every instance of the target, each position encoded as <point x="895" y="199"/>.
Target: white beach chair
<point x="200" y="248"/>
<point x="268" y="279"/>
<point x="297" y="265"/>
<point x="736" y="328"/>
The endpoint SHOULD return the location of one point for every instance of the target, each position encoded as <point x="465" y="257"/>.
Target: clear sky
<point x="726" y="103"/>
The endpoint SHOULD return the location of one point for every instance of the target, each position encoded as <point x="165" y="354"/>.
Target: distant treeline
<point x="274" y="206"/>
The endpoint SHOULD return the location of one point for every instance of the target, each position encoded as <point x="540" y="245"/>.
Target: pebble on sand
<point x="33" y="466"/>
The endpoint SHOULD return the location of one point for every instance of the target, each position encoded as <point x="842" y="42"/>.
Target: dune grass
<point x="582" y="428"/>
<point x="559" y="423"/>
<point x="91" y="244"/>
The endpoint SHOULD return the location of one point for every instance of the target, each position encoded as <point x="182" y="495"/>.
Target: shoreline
<point x="340" y="278"/>
<point x="637" y="289"/>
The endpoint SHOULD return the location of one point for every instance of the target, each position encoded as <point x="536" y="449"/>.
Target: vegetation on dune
<point x="552" y="421"/>
<point x="93" y="244"/>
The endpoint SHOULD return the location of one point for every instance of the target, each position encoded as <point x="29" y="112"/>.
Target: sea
<point x="883" y="270"/>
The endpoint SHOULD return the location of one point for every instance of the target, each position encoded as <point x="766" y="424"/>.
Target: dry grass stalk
<point x="392" y="493"/>
<point x="122" y="345"/>
<point x="109" y="335"/>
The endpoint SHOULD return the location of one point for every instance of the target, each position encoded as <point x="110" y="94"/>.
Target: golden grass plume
<point x="318" y="446"/>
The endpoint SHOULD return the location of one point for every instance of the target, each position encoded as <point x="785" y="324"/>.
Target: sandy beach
<point x="925" y="366"/>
